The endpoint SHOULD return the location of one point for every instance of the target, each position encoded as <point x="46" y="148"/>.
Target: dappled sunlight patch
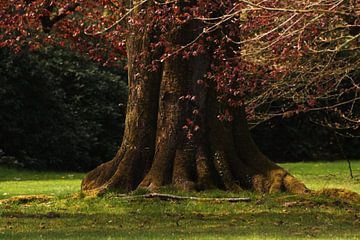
<point x="18" y="215"/>
<point x="26" y="199"/>
<point x="93" y="193"/>
<point x="342" y="194"/>
<point x="328" y="198"/>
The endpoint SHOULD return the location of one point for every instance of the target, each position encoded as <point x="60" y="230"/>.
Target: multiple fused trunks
<point x="156" y="150"/>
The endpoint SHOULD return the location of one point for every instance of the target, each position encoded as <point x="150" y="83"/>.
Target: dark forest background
<point x="60" y="110"/>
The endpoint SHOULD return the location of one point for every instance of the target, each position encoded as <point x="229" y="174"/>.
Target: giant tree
<point x="198" y="71"/>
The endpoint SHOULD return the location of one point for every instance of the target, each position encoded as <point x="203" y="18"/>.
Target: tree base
<point x="260" y="175"/>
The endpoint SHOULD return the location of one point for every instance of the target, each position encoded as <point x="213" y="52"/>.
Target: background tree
<point x="198" y="69"/>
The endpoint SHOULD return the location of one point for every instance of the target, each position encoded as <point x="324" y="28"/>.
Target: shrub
<point x="59" y="109"/>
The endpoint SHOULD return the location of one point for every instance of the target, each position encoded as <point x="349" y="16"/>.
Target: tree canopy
<point x="277" y="58"/>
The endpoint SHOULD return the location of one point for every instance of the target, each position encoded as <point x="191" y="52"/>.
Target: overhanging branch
<point x="48" y="21"/>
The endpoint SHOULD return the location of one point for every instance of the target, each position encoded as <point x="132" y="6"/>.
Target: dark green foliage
<point x="301" y="138"/>
<point x="59" y="109"/>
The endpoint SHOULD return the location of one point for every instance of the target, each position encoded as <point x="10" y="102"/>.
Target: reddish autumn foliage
<point x="276" y="58"/>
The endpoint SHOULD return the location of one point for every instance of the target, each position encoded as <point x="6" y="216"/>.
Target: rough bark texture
<point x="155" y="151"/>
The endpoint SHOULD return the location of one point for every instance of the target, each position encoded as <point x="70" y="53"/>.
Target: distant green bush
<point x="59" y="109"/>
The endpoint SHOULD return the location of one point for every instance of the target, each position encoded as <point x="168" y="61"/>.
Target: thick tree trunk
<point x="155" y="150"/>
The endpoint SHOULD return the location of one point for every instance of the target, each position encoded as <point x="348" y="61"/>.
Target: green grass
<point x="15" y="182"/>
<point x="279" y="216"/>
<point x="318" y="175"/>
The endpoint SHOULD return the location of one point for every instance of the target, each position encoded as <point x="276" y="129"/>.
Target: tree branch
<point x="48" y="21"/>
<point x="168" y="197"/>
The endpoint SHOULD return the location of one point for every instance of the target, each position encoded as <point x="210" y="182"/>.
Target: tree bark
<point x="156" y="151"/>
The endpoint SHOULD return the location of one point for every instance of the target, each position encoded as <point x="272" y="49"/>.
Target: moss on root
<point x="339" y="193"/>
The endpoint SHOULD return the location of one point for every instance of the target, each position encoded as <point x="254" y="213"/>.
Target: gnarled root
<point x="191" y="166"/>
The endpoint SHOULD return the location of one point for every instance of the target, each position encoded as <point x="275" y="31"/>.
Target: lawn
<point x="15" y="182"/>
<point x="64" y="214"/>
<point x="319" y="175"/>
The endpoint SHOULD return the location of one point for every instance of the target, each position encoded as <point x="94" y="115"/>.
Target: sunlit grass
<point x="279" y="216"/>
<point x="112" y="217"/>
<point x="23" y="182"/>
<point x="318" y="175"/>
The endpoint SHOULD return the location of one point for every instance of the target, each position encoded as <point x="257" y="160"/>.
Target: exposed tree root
<point x="224" y="159"/>
<point x="192" y="172"/>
